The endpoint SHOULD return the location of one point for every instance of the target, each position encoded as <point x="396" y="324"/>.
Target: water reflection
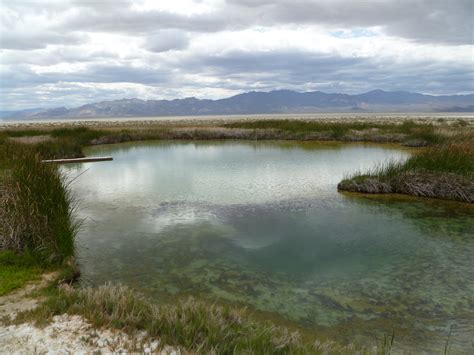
<point x="263" y="224"/>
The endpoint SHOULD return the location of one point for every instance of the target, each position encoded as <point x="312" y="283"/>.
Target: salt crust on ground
<point x="72" y="334"/>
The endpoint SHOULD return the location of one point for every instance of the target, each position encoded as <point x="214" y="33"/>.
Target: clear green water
<point x="262" y="224"/>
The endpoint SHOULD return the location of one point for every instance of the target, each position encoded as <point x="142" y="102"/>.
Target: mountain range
<point x="254" y="102"/>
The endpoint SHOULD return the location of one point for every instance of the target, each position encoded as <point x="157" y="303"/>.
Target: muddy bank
<point x="435" y="185"/>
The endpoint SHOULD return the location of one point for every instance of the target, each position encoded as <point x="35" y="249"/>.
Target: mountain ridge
<point x="261" y="102"/>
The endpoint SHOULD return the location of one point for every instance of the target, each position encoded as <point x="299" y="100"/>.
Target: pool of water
<point x="262" y="224"/>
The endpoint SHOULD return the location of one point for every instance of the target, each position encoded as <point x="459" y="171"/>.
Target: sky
<point x="72" y="52"/>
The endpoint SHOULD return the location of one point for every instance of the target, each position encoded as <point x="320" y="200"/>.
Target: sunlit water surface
<point x="262" y="224"/>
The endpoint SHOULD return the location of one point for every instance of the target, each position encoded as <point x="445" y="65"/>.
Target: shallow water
<point x="262" y="224"/>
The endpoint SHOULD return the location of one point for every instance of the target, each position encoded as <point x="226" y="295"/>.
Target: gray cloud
<point x="433" y="21"/>
<point x="166" y="40"/>
<point x="242" y="71"/>
<point x="125" y="20"/>
<point x="292" y="69"/>
<point x="436" y="21"/>
<point x="21" y="76"/>
<point x="37" y="39"/>
<point x="55" y="53"/>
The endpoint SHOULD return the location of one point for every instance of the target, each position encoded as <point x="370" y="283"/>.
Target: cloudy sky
<point x="68" y="53"/>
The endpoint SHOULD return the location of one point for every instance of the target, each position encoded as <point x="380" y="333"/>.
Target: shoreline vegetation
<point x="37" y="231"/>
<point x="408" y="132"/>
<point x="444" y="139"/>
<point x="443" y="171"/>
<point x="188" y="325"/>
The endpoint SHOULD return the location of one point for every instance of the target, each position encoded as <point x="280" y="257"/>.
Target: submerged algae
<point x="264" y="226"/>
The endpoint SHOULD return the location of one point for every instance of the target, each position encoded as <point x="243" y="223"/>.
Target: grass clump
<point x="64" y="142"/>
<point x="297" y="126"/>
<point x="57" y="149"/>
<point x="447" y="158"/>
<point x="35" y="209"/>
<point x="192" y="325"/>
<point x="67" y="142"/>
<point x="451" y="158"/>
<point x="81" y="135"/>
<point x="443" y="171"/>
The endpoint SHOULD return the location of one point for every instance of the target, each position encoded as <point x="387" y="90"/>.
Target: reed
<point x="454" y="158"/>
<point x="35" y="207"/>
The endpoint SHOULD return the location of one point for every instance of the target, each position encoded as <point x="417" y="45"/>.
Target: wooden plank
<point x="77" y="160"/>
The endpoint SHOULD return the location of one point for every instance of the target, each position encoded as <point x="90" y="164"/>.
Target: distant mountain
<point x="279" y="101"/>
<point x="20" y="113"/>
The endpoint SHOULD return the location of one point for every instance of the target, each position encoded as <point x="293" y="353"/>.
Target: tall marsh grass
<point x="410" y="132"/>
<point x="67" y="142"/>
<point x="35" y="207"/>
<point x="453" y="158"/>
<point x="338" y="129"/>
<point x="443" y="171"/>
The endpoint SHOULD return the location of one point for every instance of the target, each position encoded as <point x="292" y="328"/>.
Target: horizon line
<point x="242" y="93"/>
